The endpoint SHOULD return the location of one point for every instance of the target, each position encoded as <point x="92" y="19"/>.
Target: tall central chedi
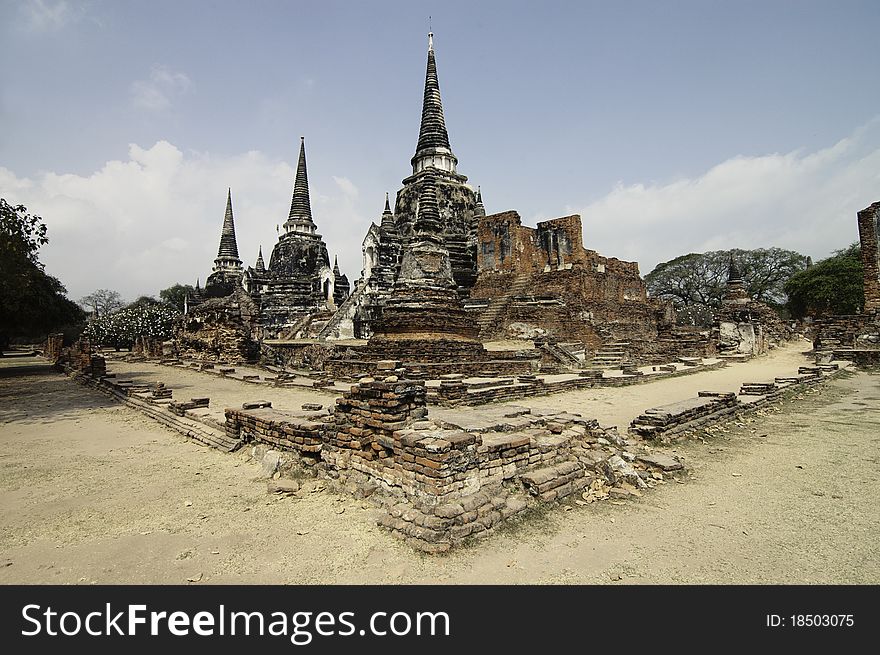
<point x="456" y="201"/>
<point x="456" y="214"/>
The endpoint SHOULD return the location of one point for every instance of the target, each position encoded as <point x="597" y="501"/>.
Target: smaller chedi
<point x="227" y="271"/>
<point x="298" y="283"/>
<point x="299" y="280"/>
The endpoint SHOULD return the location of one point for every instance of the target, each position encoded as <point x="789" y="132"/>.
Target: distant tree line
<point x="783" y="279"/>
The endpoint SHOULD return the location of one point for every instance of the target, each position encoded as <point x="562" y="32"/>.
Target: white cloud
<point x="157" y="92"/>
<point x="804" y="201"/>
<point x="346" y="186"/>
<point x="142" y="224"/>
<point x="45" y="15"/>
<point x="145" y="222"/>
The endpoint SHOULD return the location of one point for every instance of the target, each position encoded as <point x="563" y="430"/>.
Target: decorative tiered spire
<point x="387" y="222"/>
<point x="261" y="265"/>
<point x="300" y="219"/>
<point x="433" y="148"/>
<point x="427" y="226"/>
<point x="387" y="205"/>
<point x="228" y="247"/>
<point x="227" y="254"/>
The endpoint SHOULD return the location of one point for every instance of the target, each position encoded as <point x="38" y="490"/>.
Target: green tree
<point x="832" y="286"/>
<point x="176" y="294"/>
<point x="32" y="303"/>
<point x="696" y="283"/>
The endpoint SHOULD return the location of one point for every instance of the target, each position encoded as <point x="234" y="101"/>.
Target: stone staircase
<point x="293" y="330"/>
<point x="313" y="326"/>
<point x="346" y="312"/>
<point x="560" y="354"/>
<point x="610" y="355"/>
<point x="487" y="321"/>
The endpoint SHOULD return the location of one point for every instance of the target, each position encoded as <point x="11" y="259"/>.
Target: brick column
<point x="868" y="226"/>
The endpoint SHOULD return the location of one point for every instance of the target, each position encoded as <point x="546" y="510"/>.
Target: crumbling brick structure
<point x="744" y="326"/>
<point x="542" y="282"/>
<point x="54" y="345"/>
<point x="220" y="329"/>
<point x="81" y="358"/>
<point x="443" y="483"/>
<point x="869" y="227"/>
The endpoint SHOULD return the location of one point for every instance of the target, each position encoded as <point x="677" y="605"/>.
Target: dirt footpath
<point x="93" y="492"/>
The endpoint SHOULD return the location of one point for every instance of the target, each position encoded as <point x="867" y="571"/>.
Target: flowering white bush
<point x="121" y="328"/>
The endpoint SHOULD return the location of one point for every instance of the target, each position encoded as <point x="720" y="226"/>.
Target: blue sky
<point x="672" y="127"/>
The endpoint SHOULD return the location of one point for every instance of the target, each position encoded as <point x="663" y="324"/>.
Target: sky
<point x="670" y="127"/>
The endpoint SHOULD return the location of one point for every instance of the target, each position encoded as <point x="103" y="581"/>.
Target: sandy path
<point x="94" y="492"/>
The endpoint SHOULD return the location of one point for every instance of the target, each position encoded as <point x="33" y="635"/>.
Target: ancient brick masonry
<point x="542" y="282"/>
<point x="441" y="483"/>
<point x="54" y="345"/>
<point x="220" y="329"/>
<point x="858" y="334"/>
<point x="869" y="226"/>
<point x="80" y="358"/>
<point x="284" y="430"/>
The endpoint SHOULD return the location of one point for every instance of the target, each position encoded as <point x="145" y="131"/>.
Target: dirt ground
<point x="94" y="492"/>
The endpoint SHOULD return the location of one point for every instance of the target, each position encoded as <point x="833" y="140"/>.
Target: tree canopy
<point x="176" y="294"/>
<point x="697" y="281"/>
<point x="832" y="286"/>
<point x="101" y="302"/>
<point x="32" y="303"/>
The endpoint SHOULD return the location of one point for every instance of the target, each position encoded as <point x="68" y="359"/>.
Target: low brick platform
<point x="441" y="482"/>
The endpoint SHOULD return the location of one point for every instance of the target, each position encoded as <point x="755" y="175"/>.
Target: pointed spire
<point x="433" y="147"/>
<point x="335" y="266"/>
<point x="479" y="210"/>
<point x="261" y="265"/>
<point x="427" y="226"/>
<point x="198" y="288"/>
<point x="228" y="248"/>
<point x="387" y="221"/>
<point x="300" y="218"/>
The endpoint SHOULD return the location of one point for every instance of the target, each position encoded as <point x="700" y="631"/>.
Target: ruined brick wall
<point x="869" y="225"/>
<point x="220" y="329"/>
<point x="560" y="241"/>
<point x="543" y="281"/>
<point x="860" y="331"/>
<point x="81" y="358"/>
<point x="54" y="344"/>
<point x="504" y="245"/>
<point x="439" y="484"/>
